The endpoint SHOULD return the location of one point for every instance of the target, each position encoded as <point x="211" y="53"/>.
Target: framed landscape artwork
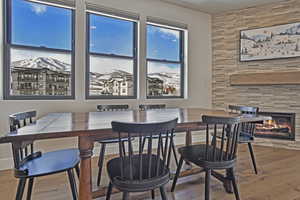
<point x="281" y="41"/>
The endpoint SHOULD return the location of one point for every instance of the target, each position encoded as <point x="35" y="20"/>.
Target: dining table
<point x="94" y="126"/>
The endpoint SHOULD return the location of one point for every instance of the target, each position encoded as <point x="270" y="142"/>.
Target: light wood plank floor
<point x="278" y="179"/>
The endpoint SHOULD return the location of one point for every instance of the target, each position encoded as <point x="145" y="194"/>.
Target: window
<point x="39" y="48"/>
<point x="111" y="57"/>
<point x="165" y="62"/>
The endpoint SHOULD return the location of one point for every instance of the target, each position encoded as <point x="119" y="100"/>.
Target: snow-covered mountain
<point x="113" y="74"/>
<point x="42" y="62"/>
<point x="120" y="74"/>
<point x="168" y="78"/>
<point x="100" y="79"/>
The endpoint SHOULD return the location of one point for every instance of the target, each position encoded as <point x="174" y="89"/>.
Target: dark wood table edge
<point x="86" y="139"/>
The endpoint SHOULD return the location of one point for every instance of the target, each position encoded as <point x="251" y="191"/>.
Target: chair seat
<point x="137" y="185"/>
<point x="52" y="162"/>
<point x="245" y="137"/>
<point x="196" y="154"/>
<point x="109" y="141"/>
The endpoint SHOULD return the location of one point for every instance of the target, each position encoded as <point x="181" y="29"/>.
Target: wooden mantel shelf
<point x="266" y="78"/>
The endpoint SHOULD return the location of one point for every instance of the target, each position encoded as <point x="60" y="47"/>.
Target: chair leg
<point x="77" y="171"/>
<point x="123" y="149"/>
<point x="207" y="184"/>
<point x="174" y="152"/>
<point x="177" y="174"/>
<point x="252" y="157"/>
<point x="143" y="143"/>
<point x="109" y="189"/>
<point x="125" y="196"/>
<point x="235" y="188"/>
<point x="169" y="155"/>
<point x="228" y="184"/>
<point x="163" y="193"/>
<point x="20" y="190"/>
<point x="100" y="163"/>
<point x="30" y="186"/>
<point x="131" y="149"/>
<point x="152" y="194"/>
<point x="73" y="184"/>
<point x="162" y="147"/>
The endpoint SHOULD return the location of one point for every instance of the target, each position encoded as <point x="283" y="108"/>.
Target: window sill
<point x="33" y="98"/>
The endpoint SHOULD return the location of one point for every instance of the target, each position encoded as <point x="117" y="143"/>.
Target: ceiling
<point x="218" y="6"/>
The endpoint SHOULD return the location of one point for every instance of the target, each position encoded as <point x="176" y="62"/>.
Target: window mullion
<point x="111" y="55"/>
<point x="160" y="86"/>
<point x="163" y="61"/>
<point x="38" y="81"/>
<point x="26" y="47"/>
<point x="101" y="82"/>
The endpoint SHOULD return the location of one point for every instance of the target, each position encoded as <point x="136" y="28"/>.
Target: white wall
<point x="199" y="68"/>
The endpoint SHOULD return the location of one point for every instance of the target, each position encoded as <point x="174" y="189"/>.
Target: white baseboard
<point x="6" y="163"/>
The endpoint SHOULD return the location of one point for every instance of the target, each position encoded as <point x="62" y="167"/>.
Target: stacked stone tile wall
<point x="226" y="29"/>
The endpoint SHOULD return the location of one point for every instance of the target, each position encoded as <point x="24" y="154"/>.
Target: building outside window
<point x="165" y="62"/>
<point x="39" y="54"/>
<point x="111" y="57"/>
<point x="39" y="51"/>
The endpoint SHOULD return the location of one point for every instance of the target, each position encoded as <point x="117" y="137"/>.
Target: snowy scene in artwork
<point x="282" y="41"/>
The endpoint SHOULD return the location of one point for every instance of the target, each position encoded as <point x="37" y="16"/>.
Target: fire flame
<point x="272" y="123"/>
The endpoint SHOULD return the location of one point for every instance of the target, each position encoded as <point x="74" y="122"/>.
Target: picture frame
<point x="267" y="43"/>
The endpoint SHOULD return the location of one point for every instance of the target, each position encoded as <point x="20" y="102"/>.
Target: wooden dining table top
<point x="73" y="124"/>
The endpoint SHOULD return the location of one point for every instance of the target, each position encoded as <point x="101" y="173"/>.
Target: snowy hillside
<point x="168" y="78"/>
<point x="114" y="74"/>
<point x="293" y="30"/>
<point x="42" y="62"/>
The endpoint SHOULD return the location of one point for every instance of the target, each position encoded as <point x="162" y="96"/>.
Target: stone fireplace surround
<point x="226" y="28"/>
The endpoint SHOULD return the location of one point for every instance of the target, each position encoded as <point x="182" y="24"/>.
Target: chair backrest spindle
<point x="247" y="127"/>
<point x="230" y="129"/>
<point x="22" y="151"/>
<point x="140" y="164"/>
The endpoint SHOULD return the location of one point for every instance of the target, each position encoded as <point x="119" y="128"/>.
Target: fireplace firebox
<point x="282" y="126"/>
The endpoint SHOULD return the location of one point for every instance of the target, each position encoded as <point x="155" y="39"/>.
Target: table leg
<point x="188" y="142"/>
<point x="85" y="181"/>
<point x="188" y="138"/>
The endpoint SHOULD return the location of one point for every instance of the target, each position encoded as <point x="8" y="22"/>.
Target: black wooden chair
<point x="214" y="155"/>
<point x="30" y="164"/>
<point x="139" y="171"/>
<point x="248" y="129"/>
<point x="156" y="107"/>
<point x="102" y="108"/>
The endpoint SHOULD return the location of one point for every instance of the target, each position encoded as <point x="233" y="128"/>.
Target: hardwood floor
<point x="278" y="179"/>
